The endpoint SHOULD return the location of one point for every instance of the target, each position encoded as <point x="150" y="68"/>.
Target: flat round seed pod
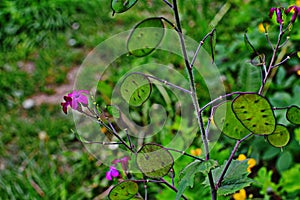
<point x="255" y="113"/>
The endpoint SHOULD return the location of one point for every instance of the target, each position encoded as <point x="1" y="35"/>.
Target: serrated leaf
<point x="249" y="78"/>
<point x="136" y="89"/>
<point x="119" y="6"/>
<point x="255" y="113"/>
<point x="293" y="114"/>
<point x="280" y="137"/>
<point x="123" y="191"/>
<point x="235" y="178"/>
<point x="154" y="161"/>
<point x="226" y="122"/>
<point x="188" y="173"/>
<point x="145" y="37"/>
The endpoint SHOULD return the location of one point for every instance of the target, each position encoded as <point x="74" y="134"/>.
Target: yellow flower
<point x="241" y="157"/>
<point x="241" y="195"/>
<point x="251" y="162"/>
<point x="261" y="27"/>
<point x="297" y="2"/>
<point x="298" y="72"/>
<point x="196" y="152"/>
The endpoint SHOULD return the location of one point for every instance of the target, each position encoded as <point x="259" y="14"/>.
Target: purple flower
<point x="113" y="172"/>
<point x="123" y="161"/>
<point x="278" y="14"/>
<point x="75" y="99"/>
<point x="296" y="10"/>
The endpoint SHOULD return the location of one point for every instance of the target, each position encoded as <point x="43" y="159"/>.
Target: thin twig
<point x="184" y="153"/>
<point x="230" y="159"/>
<point x="200" y="45"/>
<point x="172" y="187"/>
<point x="168" y="3"/>
<point x="165" y="82"/>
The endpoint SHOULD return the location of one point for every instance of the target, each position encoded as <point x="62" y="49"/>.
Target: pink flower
<point x="123" y="161"/>
<point x="75" y="99"/>
<point x="113" y="172"/>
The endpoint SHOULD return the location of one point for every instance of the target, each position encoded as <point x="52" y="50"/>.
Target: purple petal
<point x="115" y="173"/>
<point x="82" y="99"/>
<point x="271" y="12"/>
<point x="84" y="91"/>
<point x="108" y="176"/>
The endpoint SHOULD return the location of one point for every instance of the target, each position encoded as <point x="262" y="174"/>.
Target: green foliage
<point x="249" y="78"/>
<point x="187" y="175"/>
<point x="236" y="177"/>
<point x="123" y="191"/>
<point x="119" y="6"/>
<point x="263" y="180"/>
<point x="290" y="180"/>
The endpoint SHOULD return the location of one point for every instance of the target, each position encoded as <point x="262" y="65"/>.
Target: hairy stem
<point x="194" y="95"/>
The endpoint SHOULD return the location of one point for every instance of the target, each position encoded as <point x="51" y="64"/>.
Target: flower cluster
<point x="292" y="9"/>
<point x="75" y="99"/>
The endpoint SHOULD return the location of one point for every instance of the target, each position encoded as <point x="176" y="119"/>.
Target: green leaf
<point x="124" y="190"/>
<point x="136" y="89"/>
<point x="114" y="111"/>
<point x="249" y="78"/>
<point x="280" y="137"/>
<point x="290" y="179"/>
<point x="226" y="122"/>
<point x="235" y="178"/>
<point x="248" y="44"/>
<point x="213" y="42"/>
<point x="154" y="160"/>
<point x="293" y="114"/>
<point x="298" y="54"/>
<point x="188" y="173"/>
<point x="145" y="37"/>
<point x="284" y="161"/>
<point x="119" y="6"/>
<point x="81" y="139"/>
<point x="255" y="113"/>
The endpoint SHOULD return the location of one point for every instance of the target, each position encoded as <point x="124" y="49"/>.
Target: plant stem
<point x="272" y="60"/>
<point x="184" y="153"/>
<point x="172" y="187"/>
<point x="194" y="95"/>
<point x="230" y="160"/>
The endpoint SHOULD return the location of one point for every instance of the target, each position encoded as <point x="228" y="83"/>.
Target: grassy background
<point x="39" y="156"/>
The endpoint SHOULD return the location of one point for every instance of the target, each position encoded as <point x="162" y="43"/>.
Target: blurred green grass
<point x="39" y="156"/>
